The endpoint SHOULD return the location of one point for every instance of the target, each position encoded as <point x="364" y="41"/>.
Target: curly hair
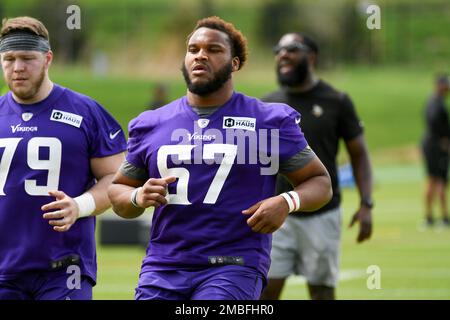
<point x="238" y="42"/>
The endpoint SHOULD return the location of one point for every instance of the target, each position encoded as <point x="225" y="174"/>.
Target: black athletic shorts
<point x="436" y="160"/>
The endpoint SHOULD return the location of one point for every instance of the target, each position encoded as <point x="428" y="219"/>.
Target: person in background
<point x="308" y="243"/>
<point x="159" y="97"/>
<point x="435" y="148"/>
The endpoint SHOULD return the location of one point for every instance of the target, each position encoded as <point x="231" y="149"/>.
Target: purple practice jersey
<point x="48" y="146"/>
<point x="224" y="164"/>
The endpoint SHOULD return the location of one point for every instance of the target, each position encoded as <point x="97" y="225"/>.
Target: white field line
<point x="344" y="275"/>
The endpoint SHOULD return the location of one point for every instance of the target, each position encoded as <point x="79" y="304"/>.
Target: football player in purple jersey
<point x="59" y="151"/>
<point x="207" y="163"/>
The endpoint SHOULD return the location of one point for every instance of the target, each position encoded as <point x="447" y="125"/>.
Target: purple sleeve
<point x="136" y="146"/>
<point x="106" y="137"/>
<point x="292" y="139"/>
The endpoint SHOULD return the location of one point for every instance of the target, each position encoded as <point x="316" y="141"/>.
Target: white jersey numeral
<point x="52" y="164"/>
<point x="184" y="153"/>
<point x="10" y="145"/>
<point x="230" y="152"/>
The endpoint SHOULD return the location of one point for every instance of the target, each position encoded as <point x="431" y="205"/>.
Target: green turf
<point x="414" y="264"/>
<point x="118" y="271"/>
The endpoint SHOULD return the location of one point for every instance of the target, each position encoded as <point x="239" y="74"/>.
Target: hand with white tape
<point x="66" y="210"/>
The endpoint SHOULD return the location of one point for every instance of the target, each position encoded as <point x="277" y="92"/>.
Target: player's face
<point x="291" y="58"/>
<point x="25" y="71"/>
<point x="208" y="63"/>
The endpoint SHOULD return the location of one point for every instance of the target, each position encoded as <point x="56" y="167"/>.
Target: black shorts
<point x="436" y="161"/>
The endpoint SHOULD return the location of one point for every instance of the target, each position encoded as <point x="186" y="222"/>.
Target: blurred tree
<point x="356" y="44"/>
<point x="1" y="11"/>
<point x="68" y="44"/>
<point x="182" y="21"/>
<point x="411" y="31"/>
<point x="206" y="8"/>
<point x="276" y="18"/>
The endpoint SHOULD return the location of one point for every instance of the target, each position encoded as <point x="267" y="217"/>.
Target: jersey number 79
<point x="52" y="164"/>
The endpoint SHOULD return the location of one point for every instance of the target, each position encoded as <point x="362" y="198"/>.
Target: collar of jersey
<point x="187" y="108"/>
<point x="37" y="107"/>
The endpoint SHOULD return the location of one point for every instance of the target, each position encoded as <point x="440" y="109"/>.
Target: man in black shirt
<point x="435" y="147"/>
<point x="308" y="243"/>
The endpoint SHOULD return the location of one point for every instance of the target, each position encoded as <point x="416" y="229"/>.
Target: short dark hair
<point x="309" y="42"/>
<point x="27" y="24"/>
<point x="238" y="42"/>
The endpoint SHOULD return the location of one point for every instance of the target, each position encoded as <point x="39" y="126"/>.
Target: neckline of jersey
<point x="194" y="116"/>
<point x="37" y="107"/>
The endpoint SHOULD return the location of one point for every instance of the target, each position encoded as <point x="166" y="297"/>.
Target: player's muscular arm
<point x="104" y="170"/>
<point x="119" y="193"/>
<point x="151" y="194"/>
<point x="313" y="185"/>
<point x="64" y="211"/>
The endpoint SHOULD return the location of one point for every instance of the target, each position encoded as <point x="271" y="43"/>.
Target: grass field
<point x="414" y="264"/>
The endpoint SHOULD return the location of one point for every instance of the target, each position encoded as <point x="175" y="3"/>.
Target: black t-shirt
<point x="326" y="116"/>
<point x="436" y="117"/>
